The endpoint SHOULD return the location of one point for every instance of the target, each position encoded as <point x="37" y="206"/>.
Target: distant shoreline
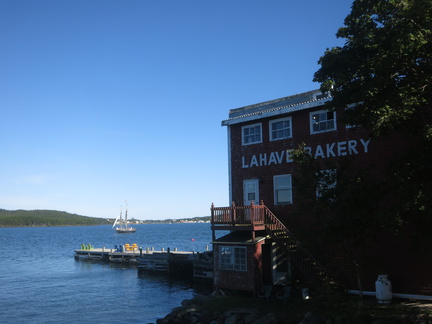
<point x="54" y="218"/>
<point x="144" y="223"/>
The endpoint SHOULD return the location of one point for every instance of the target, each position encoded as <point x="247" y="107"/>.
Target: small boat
<point x="122" y="224"/>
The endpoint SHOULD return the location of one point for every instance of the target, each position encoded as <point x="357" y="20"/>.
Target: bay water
<point x="41" y="282"/>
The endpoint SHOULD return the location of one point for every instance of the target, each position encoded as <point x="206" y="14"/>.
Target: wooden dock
<point x="200" y="265"/>
<point x="177" y="261"/>
<point x="107" y="255"/>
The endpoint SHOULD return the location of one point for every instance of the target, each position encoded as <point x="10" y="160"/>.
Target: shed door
<point x="250" y="191"/>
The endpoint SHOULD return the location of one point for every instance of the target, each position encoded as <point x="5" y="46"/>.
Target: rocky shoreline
<point x="191" y="311"/>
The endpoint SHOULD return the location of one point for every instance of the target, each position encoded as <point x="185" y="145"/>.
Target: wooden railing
<point x="311" y="269"/>
<point x="238" y="215"/>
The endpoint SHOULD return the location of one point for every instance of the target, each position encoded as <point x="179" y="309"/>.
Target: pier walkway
<point x="196" y="263"/>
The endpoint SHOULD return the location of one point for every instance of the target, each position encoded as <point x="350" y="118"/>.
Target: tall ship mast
<point x="121" y="225"/>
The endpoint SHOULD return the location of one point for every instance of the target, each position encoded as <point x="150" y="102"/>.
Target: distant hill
<point x="29" y="218"/>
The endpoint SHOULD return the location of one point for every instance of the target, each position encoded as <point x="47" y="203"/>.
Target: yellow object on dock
<point x="132" y="247"/>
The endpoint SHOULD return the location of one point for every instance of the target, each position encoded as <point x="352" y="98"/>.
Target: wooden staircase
<point x="314" y="273"/>
<point x="259" y="216"/>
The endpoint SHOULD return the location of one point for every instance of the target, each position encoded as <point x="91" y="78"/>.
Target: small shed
<point x="238" y="261"/>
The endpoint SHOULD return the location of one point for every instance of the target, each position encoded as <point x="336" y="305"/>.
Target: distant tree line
<point x="28" y="218"/>
<point x="182" y="220"/>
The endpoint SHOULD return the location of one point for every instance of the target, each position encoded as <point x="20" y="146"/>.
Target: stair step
<point x="305" y="262"/>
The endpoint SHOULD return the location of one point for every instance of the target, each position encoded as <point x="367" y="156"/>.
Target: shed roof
<point x="274" y="107"/>
<point x="239" y="237"/>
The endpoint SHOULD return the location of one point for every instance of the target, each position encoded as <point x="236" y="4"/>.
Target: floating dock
<point x="200" y="265"/>
<point x="107" y="255"/>
<point x="120" y="254"/>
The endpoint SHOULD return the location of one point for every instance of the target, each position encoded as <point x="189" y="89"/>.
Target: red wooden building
<point x="261" y="248"/>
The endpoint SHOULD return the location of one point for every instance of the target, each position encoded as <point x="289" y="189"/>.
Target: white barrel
<point x="383" y="288"/>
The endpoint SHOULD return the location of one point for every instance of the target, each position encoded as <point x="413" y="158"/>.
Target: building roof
<point x="243" y="237"/>
<point x="279" y="106"/>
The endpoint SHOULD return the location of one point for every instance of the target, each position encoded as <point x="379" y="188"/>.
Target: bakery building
<point x="263" y="192"/>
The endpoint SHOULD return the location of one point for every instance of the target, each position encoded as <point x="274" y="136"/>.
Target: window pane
<point x="280" y="129"/>
<point x="251" y="134"/>
<point x="282" y="189"/>
<point x="323" y="121"/>
<point x="233" y="258"/>
<point x="284" y="196"/>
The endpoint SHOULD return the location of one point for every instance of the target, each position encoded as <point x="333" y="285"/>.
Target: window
<point x="322" y="121"/>
<point x="349" y="110"/>
<point x="251" y="134"/>
<point x="233" y="258"/>
<point x="282" y="189"/>
<point x="326" y="182"/>
<point x="280" y="129"/>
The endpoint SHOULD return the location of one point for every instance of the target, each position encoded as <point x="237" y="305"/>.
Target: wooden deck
<point x="240" y="216"/>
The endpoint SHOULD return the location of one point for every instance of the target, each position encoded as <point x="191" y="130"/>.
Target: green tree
<point x="385" y="69"/>
<point x="339" y="200"/>
<point x="385" y="66"/>
<point x="381" y="80"/>
<point x="20" y="218"/>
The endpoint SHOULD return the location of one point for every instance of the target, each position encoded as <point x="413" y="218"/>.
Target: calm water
<point x="40" y="281"/>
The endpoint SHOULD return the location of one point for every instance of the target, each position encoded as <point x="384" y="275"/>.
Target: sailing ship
<point x="122" y="224"/>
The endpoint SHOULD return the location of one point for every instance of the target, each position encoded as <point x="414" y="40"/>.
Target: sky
<point x="107" y="101"/>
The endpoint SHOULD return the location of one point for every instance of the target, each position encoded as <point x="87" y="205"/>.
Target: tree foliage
<point x="381" y="79"/>
<point x="385" y="69"/>
<point x="340" y="200"/>
<point x="22" y="218"/>
<point x="385" y="66"/>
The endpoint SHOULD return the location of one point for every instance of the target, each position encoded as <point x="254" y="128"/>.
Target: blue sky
<point x="106" y="101"/>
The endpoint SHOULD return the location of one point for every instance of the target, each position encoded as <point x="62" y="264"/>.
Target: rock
<point x="231" y="319"/>
<point x="206" y="317"/>
<point x="187" y="302"/>
<point x="228" y="313"/>
<point x="308" y="316"/>
<point x="270" y="318"/>
<point x="249" y="318"/>
<point x="201" y="299"/>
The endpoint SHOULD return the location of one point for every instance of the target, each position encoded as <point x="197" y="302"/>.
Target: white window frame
<point x="233" y="258"/>
<point x="281" y="187"/>
<point x="245" y="138"/>
<point x="280" y="120"/>
<point x="323" y="123"/>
